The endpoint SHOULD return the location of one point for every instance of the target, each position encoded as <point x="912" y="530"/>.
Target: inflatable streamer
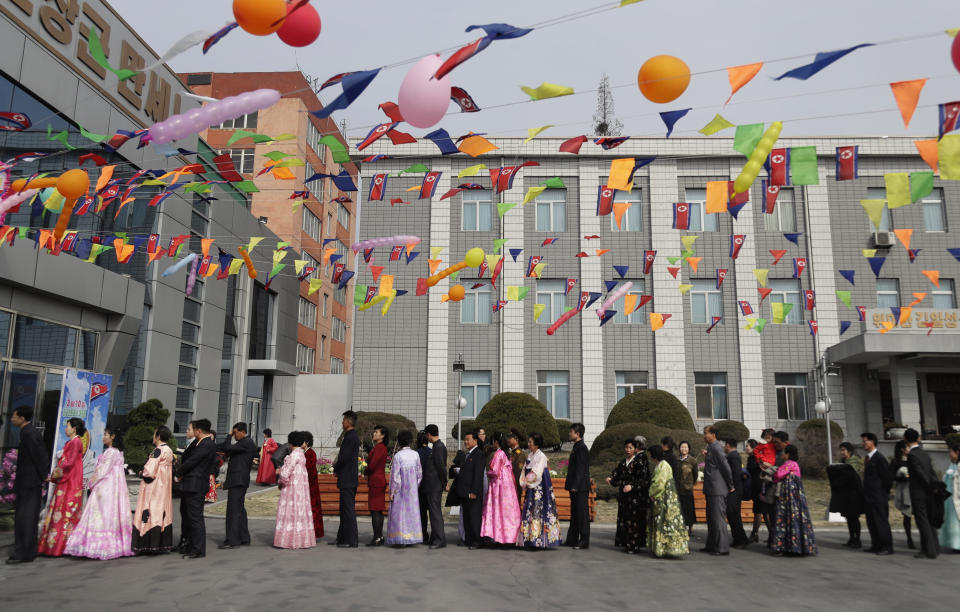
<point x="196" y="120"/>
<point x="180" y="265"/>
<point x="251" y="270"/>
<point x="613" y="297"/>
<point x="563" y="319"/>
<point x="473" y="259"/>
<point x="752" y="168"/>
<point x="385" y="241"/>
<point x="37" y="183"/>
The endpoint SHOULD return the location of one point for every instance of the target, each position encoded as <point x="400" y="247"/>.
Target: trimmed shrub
<point x="732" y="429"/>
<point x="465" y="426"/>
<point x="952" y="439"/>
<point x="651" y="406"/>
<point x="811" y="442"/>
<point x="520" y="411"/>
<point x="138" y="440"/>
<point x="150" y="412"/>
<point x="394" y="423"/>
<point x="563" y="429"/>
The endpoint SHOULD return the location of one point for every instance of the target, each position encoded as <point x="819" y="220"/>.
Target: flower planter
<point x="700" y="503"/>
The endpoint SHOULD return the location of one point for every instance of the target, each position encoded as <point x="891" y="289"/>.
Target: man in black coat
<point x="877" y="481"/>
<point x="578" y="483"/>
<point x="735" y="498"/>
<point x="240" y="454"/>
<point x="470" y="490"/>
<point x="184" y="545"/>
<point x="434" y="482"/>
<point x="667" y="444"/>
<point x="32" y="465"/>
<point x="345" y="467"/>
<point x="921" y="499"/>
<point x="195" y="474"/>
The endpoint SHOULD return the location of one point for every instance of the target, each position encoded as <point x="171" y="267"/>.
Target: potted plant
<point x="893" y="430"/>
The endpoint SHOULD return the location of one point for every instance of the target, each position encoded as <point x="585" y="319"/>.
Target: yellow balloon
<point x="752" y="168"/>
<point x="474" y="257"/>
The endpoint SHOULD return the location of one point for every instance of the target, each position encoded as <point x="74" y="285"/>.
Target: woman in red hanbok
<point x="65" y="507"/>
<point x="314" y="482"/>
<point x="266" y="473"/>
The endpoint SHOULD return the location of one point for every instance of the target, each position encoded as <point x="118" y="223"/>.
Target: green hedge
<point x="952" y="438"/>
<point x="651" y="406"/>
<point x="520" y="411"/>
<point x="138" y="440"/>
<point x="811" y="442"/>
<point x="563" y="429"/>
<point x="732" y="429"/>
<point x="466" y="425"/>
<point x="395" y="423"/>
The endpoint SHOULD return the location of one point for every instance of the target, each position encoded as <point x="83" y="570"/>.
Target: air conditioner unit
<point x="884" y="239"/>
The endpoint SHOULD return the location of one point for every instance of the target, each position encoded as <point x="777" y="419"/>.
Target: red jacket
<point x="376" y="462"/>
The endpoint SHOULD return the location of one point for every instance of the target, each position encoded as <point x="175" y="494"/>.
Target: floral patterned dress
<point x="294" y="519"/>
<point x="539" y="527"/>
<point x="632" y="506"/>
<point x="666" y="532"/>
<point x="64" y="510"/>
<point x="403" y="523"/>
<point x="792" y="527"/>
<point x="311" y="463"/>
<point x="105" y="529"/>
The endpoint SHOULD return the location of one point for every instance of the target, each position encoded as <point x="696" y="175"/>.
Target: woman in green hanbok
<point x="667" y="533"/>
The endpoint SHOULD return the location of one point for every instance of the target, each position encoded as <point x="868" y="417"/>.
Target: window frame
<point x="556" y="297"/>
<point x="310" y="224"/>
<point x="553" y="386"/>
<point x="620" y="383"/>
<point x="635" y="198"/>
<point x="941" y="208"/>
<point x="774" y="222"/>
<point x="886" y="220"/>
<point x="306" y="313"/>
<point x="478" y="199"/>
<point x="705" y="287"/>
<point x="699" y="204"/>
<point x="480" y="311"/>
<point x="714" y="387"/>
<point x="306" y="359"/>
<point x="474" y="387"/>
<point x="888" y="292"/>
<point x="943" y="291"/>
<point x="545" y="199"/>
<point x="795" y="316"/>
<point x="790" y="398"/>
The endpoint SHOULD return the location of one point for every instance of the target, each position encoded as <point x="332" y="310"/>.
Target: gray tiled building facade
<point x="404" y="360"/>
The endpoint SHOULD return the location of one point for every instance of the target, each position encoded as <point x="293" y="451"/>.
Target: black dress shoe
<point x="719" y="554"/>
<point x="226" y="547"/>
<point x="888" y="551"/>
<point x="631" y="551"/>
<point x="244" y="543"/>
<point x="376" y="542"/>
<point x="194" y="556"/>
<point x="347" y="545"/>
<point x="579" y="547"/>
<point x="855" y="545"/>
<point x="919" y="556"/>
<point x="871" y="550"/>
<point x="706" y="550"/>
<point x="436" y="546"/>
<point x="333" y="543"/>
<point x="13" y="561"/>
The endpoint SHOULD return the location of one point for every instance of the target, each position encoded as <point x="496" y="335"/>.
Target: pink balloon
<point x="423" y="100"/>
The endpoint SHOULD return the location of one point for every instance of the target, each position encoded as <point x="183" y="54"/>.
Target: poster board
<point x="85" y="395"/>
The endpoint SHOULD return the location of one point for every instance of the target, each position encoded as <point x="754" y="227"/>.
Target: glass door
<point x="20" y="387"/>
<point x="251" y="417"/>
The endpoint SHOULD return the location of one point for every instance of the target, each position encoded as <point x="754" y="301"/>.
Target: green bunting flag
<point x="803" y="166"/>
<point x="921" y="185"/>
<point x="498" y="244"/>
<point x="339" y="150"/>
<point x="241" y="134"/>
<point x="503" y="208"/>
<point x="96" y="52"/>
<point x="844" y="297"/>
<point x="747" y="137"/>
<point x="761" y="323"/>
<point x="359" y="294"/>
<point x="554" y="183"/>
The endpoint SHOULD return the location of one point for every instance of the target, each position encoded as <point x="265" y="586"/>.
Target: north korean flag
<point x="375" y="134"/>
<point x="395" y="253"/>
<point x="532" y="263"/>
<point x="378" y="185"/>
<point x="17" y="122"/>
<point x="496" y="272"/>
<point x="152" y="243"/>
<point x="461" y="55"/>
<point x="648" y="257"/>
<point x="505" y="178"/>
<point x="204" y="265"/>
<point x="69" y="241"/>
<point x="736" y="201"/>
<point x="548" y="241"/>
<point x="862" y="311"/>
<point x="608" y="143"/>
<point x="778" y="167"/>
<point x="716" y="321"/>
<point x="770" y="193"/>
<point x="118" y="140"/>
<point x="799" y="265"/>
<point x="483" y="269"/>
<point x="847" y="166"/>
<point x="499" y="305"/>
<point x="84" y="207"/>
<point x="681" y="216"/>
<point x="571" y="283"/>
<point x="338" y="269"/>
<point x="158" y="199"/>
<point x="371" y="291"/>
<point x="605" y="201"/>
<point x="809" y="298"/>
<point x="98" y="390"/>
<point x="745" y="308"/>
<point x="307" y="271"/>
<point x="736" y="242"/>
<point x="463" y="100"/>
<point x="813" y="327"/>
<point x="429" y="185"/>
<point x="721" y="274"/>
<point x="366" y="254"/>
<point x="584" y="298"/>
<point x="949" y="117"/>
<point x="175" y="243"/>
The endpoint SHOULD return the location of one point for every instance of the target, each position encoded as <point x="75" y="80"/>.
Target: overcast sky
<point x="851" y="97"/>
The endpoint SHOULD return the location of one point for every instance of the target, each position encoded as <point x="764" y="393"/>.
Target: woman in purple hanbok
<point x="403" y="522"/>
<point x="105" y="529"/>
<point x="295" y="527"/>
<point x="501" y="509"/>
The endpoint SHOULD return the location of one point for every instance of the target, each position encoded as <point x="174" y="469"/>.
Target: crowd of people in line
<point x="505" y="494"/>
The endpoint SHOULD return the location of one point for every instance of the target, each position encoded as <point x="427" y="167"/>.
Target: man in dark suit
<point x="345" y="468"/>
<point x="240" y="455"/>
<point x="667" y="444"/>
<point x="921" y="477"/>
<point x="735" y="498"/>
<point x="184" y="545"/>
<point x="877" y="481"/>
<point x="434" y="482"/>
<point x="195" y="474"/>
<point x="470" y="490"/>
<point x="717" y="484"/>
<point x="32" y="466"/>
<point x="578" y="483"/>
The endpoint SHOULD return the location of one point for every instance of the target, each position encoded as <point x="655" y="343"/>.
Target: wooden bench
<point x="700" y="503"/>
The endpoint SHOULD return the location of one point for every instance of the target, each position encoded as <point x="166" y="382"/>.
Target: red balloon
<point x="300" y="28"/>
<point x="955" y="52"/>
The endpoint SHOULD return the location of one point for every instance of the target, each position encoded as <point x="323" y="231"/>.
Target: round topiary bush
<point x="138" y="440"/>
<point x="732" y="429"/>
<point x="811" y="442"/>
<point x="563" y="429"/>
<point x="520" y="411"/>
<point x="651" y="406"/>
<point x="952" y="439"/>
<point x="465" y="426"/>
<point x="394" y="423"/>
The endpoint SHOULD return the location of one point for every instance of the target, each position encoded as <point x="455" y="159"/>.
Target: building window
<point x="791" y="396"/>
<point x="787" y="291"/>
<point x="705" y="301"/>
<point x="943" y="296"/>
<point x="180" y="421"/>
<point x="330" y="229"/>
<point x="475" y="306"/>
<point x="711" y="388"/>
<point x="311" y="224"/>
<point x="305" y="356"/>
<point x="619" y="306"/>
<point x="475" y="388"/>
<point x="308" y="313"/>
<point x="934" y="219"/>
<point x="552" y="211"/>
<point x="315" y="187"/>
<point x="553" y="389"/>
<point x="198" y="223"/>
<point x="700" y="221"/>
<point x="243" y="159"/>
<point x="339" y="330"/>
<point x="477" y="211"/>
<point x="248" y="122"/>
<point x="322" y="347"/>
<point x="880" y="193"/>
<point x="784" y="217"/>
<point x="313" y="139"/>
<point x="326" y="304"/>
<point x="184" y="399"/>
<point x="336" y="365"/>
<point x="343" y="215"/>
<point x="628" y="382"/>
<point x="550" y="293"/>
<point x="888" y="293"/>
<point x="632" y="218"/>
<point x="311" y="263"/>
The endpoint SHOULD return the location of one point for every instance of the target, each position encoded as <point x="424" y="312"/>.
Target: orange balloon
<point x="258" y="16"/>
<point x="73" y="184"/>
<point x="663" y="78"/>
<point x="457" y="293"/>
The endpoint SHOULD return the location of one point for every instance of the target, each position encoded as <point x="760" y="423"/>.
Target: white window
<point x="700" y="221"/>
<point x="787" y="291"/>
<point x="934" y="219"/>
<point x="888" y="293"/>
<point x="476" y="306"/>
<point x="475" y="388"/>
<point x="340" y="295"/>
<point x="311" y="263"/>
<point x="336" y="365"/>
<point x="315" y="187"/>
<point x="477" y="211"/>
<point x="784" y="217"/>
<point x="791" y="396"/>
<point x="628" y="382"/>
<point x="313" y="139"/>
<point x="305" y="357"/>
<point x="248" y="122"/>
<point x="943" y="296"/>
<point x="308" y="313"/>
<point x="326" y="304"/>
<point x="343" y="215"/>
<point x="339" y="330"/>
<point x="242" y="159"/>
<point x="552" y="211"/>
<point x="632" y="218"/>
<point x="550" y="293"/>
<point x="620" y="305"/>
<point x="553" y="389"/>
<point x="711" y="388"/>
<point x="705" y="301"/>
<point x="311" y="224"/>
<point x="880" y="193"/>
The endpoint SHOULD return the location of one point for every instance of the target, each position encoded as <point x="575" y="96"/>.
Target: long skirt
<point x="688" y="509"/>
<point x="792" y="527"/>
<point x="156" y="540"/>
<point x="540" y="527"/>
<point x="666" y="533"/>
<point x="631" y="522"/>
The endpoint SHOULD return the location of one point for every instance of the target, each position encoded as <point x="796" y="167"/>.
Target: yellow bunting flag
<point x="932" y="275"/>
<point x="687" y="242"/>
<point x="898" y="189"/>
<point x="874" y="209"/>
<point x="948" y="151"/>
<point x="751" y="321"/>
<point x="684" y="288"/>
<point x="254" y="241"/>
<point x="868" y="252"/>
<point x="903" y="235"/>
<point x="780" y="311"/>
<point x="387" y="303"/>
<point x="471" y="171"/>
<point x="296" y="205"/>
<point x="435" y="252"/>
<point x="54" y="202"/>
<point x="718" y="194"/>
<point x="298" y="265"/>
<point x="315" y="284"/>
<point x="474" y="146"/>
<point x="538" y="269"/>
<point x="532" y="132"/>
<point x="547" y="90"/>
<point x="538" y="310"/>
<point x="532" y="193"/>
<point x="513" y="293"/>
<point x="693" y="262"/>
<point x="761" y="275"/>
<point x="235" y="265"/>
<point x="656" y="321"/>
<point x="907" y="94"/>
<point x="917" y="298"/>
<point x="716" y="124"/>
<point x="618" y="209"/>
<point x="492" y="261"/>
<point x="629" y="304"/>
<point x="621" y="174"/>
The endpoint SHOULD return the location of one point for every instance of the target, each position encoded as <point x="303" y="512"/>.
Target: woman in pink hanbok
<point x="294" y="515"/>
<point x="501" y="508"/>
<point x="105" y="529"/>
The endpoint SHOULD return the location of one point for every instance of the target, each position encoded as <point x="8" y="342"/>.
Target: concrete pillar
<point x="438" y="364"/>
<point x="591" y="336"/>
<point x="512" y="316"/>
<point x="906" y="400"/>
